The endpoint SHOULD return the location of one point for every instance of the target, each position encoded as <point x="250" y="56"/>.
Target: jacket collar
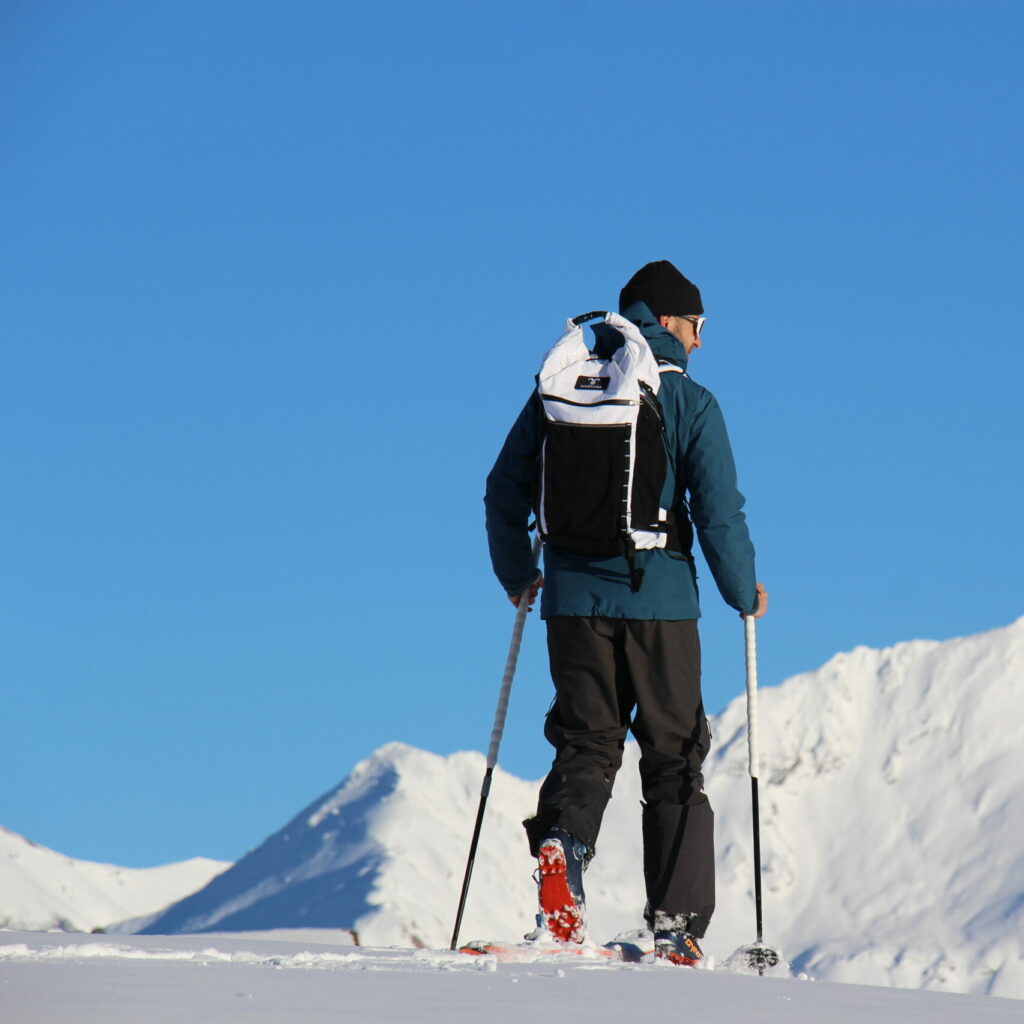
<point x="663" y="344"/>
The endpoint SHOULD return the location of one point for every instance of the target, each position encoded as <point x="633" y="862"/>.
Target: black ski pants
<point x="613" y="676"/>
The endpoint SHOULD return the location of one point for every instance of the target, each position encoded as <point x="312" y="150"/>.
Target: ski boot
<point x="561" y="859"/>
<point x="678" y="947"/>
<point x="673" y="940"/>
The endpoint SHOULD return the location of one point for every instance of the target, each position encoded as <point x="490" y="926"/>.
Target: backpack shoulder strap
<point x="667" y="366"/>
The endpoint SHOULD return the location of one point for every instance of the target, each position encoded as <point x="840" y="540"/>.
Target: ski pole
<point x="759" y="955"/>
<point x="496" y="732"/>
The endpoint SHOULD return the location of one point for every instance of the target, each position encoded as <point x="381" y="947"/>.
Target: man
<point x="627" y="658"/>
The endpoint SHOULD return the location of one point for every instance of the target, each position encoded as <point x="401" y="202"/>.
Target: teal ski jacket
<point x="700" y="482"/>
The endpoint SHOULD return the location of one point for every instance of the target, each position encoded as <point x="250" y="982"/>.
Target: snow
<point x="41" y="889"/>
<point x="302" y="979"/>
<point x="891" y="813"/>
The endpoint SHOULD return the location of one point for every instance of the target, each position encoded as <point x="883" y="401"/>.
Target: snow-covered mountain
<point x="41" y="889"/>
<point x="892" y="816"/>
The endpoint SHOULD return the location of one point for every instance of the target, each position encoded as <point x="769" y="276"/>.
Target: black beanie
<point x="665" y="290"/>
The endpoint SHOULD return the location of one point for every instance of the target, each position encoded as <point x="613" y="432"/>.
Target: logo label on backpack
<point x="592" y="383"/>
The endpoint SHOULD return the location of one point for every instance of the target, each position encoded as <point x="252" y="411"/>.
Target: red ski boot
<point x="560" y="863"/>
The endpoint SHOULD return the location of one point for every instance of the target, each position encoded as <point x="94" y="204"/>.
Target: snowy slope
<point x="41" y="889"/>
<point x="892" y="814"/>
<point x="891" y="817"/>
<point x="270" y="979"/>
<point x="378" y="855"/>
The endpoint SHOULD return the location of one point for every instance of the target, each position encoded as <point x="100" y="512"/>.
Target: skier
<point x="627" y="658"/>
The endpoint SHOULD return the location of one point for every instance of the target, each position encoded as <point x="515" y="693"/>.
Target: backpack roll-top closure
<point x="571" y="376"/>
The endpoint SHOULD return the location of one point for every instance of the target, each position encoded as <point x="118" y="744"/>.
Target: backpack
<point x="603" y="459"/>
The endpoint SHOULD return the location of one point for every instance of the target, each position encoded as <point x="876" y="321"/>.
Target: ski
<point x="625" y="950"/>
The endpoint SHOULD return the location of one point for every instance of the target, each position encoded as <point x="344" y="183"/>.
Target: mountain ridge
<point x="41" y="889"/>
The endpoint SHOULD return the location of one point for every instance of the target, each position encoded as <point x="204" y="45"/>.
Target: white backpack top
<point x="562" y="382"/>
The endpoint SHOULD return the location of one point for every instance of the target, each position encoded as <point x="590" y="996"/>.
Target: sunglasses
<point x="697" y="321"/>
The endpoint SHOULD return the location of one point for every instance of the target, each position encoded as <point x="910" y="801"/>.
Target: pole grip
<point x="751" y="654"/>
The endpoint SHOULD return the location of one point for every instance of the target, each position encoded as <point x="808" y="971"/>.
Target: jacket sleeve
<point x="508" y="502"/>
<point x="716" y="505"/>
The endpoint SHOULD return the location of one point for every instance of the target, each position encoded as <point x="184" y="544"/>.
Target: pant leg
<point x="672" y="730"/>
<point x="586" y="725"/>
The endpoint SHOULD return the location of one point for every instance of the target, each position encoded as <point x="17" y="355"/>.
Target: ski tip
<point x="477" y="948"/>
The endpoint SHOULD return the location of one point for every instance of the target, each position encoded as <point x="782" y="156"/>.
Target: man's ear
<point x="663" y="320"/>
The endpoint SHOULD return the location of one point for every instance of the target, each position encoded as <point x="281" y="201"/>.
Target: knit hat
<point x="665" y="290"/>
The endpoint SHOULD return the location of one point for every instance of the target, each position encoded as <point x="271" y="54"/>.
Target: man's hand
<point x="530" y="593"/>
<point x="762" y="602"/>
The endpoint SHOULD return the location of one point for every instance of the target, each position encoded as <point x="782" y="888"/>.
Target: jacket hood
<point x="663" y="344"/>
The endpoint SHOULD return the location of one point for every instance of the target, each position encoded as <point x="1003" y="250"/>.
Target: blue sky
<point x="275" y="280"/>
